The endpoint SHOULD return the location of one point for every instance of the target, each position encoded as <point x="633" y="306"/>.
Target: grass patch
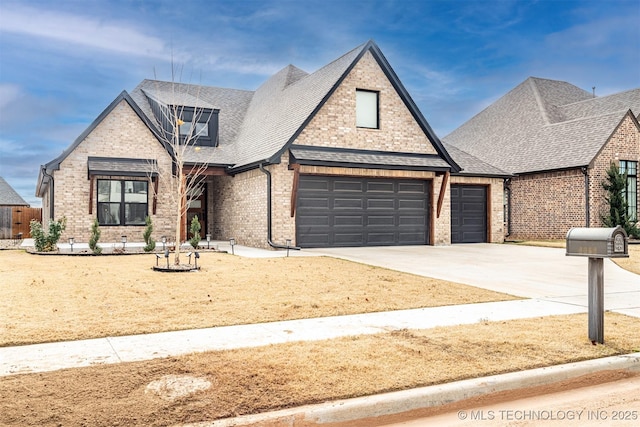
<point x="633" y="262"/>
<point x="268" y="378"/>
<point x="58" y="298"/>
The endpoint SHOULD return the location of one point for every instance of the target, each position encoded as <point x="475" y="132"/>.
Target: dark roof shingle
<point x="364" y="158"/>
<point x="543" y="125"/>
<point x="9" y="196"/>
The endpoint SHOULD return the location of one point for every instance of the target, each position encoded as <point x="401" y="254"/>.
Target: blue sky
<point x="63" y="62"/>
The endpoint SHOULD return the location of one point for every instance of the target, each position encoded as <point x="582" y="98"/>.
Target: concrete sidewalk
<point x="72" y="354"/>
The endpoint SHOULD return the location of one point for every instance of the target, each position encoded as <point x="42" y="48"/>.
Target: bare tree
<point x="182" y="119"/>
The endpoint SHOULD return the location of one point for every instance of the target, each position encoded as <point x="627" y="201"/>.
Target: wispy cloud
<point x="619" y="35"/>
<point x="82" y="30"/>
<point x="480" y="19"/>
<point x="8" y="94"/>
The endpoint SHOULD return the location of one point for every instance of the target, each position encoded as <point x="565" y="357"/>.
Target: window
<point x="122" y="202"/>
<point x="631" y="192"/>
<point x="367" y="109"/>
<point x="198" y="130"/>
<point x="201" y="130"/>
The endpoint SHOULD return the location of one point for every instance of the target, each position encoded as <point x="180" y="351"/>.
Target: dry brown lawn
<point x="52" y="298"/>
<point x="268" y="378"/>
<point x="49" y="298"/>
<point x="633" y="262"/>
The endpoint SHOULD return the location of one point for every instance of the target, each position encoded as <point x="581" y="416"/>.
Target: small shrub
<point x="615" y="185"/>
<point x="47" y="242"/>
<point x="195" y="232"/>
<point x="95" y="236"/>
<point x="39" y="238"/>
<point x="150" y="243"/>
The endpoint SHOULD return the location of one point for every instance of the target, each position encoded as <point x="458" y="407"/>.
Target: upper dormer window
<point x="198" y="126"/>
<point x="367" y="105"/>
<point x="201" y="129"/>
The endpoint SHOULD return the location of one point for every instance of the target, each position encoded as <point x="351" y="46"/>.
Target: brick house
<point x="338" y="157"/>
<point x="557" y="141"/>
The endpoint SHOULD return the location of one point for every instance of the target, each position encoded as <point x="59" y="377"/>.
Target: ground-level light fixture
<point x="196" y="255"/>
<point x="189" y="255"/>
<point x="166" y="255"/>
<point x="208" y="240"/>
<point x="288" y="246"/>
<point x="71" y="243"/>
<point x="232" y="242"/>
<point x="124" y="242"/>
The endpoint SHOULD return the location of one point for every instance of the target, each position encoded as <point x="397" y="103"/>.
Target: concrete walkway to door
<point x="525" y="271"/>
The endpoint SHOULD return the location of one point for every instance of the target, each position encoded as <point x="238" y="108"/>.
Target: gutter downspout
<point x="51" y="193"/>
<point x="507" y="187"/>
<point x="273" y="245"/>
<point x="587" y="215"/>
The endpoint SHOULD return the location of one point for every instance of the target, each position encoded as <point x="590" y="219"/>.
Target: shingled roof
<point x="258" y="126"/>
<point x="232" y="103"/>
<point x="543" y="125"/>
<point x="472" y="166"/>
<point x="9" y="196"/>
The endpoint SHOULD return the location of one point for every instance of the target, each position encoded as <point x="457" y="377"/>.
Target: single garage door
<point x="468" y="214"/>
<point x="344" y="211"/>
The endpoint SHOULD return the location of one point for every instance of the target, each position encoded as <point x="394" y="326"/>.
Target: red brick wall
<point x="546" y="205"/>
<point x="624" y="144"/>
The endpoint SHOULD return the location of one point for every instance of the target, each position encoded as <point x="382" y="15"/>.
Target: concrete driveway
<point x="524" y="271"/>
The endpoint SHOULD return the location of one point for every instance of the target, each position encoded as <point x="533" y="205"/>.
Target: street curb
<point x="425" y="397"/>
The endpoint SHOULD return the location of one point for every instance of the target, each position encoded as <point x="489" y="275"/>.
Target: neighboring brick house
<point x="557" y="140"/>
<point x="338" y="157"/>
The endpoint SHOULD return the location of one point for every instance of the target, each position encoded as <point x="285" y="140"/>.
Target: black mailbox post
<point x="597" y="244"/>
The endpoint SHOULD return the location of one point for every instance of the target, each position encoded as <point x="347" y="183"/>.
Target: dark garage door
<point x="468" y="214"/>
<point x="343" y="211"/>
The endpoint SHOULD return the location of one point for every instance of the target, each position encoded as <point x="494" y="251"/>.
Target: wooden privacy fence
<point x="15" y="220"/>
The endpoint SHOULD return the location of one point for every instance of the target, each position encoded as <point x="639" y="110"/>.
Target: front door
<point x="198" y="207"/>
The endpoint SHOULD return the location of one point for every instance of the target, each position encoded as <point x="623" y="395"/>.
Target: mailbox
<point x="598" y="242"/>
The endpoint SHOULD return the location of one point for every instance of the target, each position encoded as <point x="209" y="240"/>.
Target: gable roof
<point x="9" y="196"/>
<point x="44" y="174"/>
<point x="542" y="125"/>
<point x="282" y="106"/>
<point x="258" y="127"/>
<point x="255" y="127"/>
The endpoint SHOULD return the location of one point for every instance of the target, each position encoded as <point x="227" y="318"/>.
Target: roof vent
<point x="594" y="91"/>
